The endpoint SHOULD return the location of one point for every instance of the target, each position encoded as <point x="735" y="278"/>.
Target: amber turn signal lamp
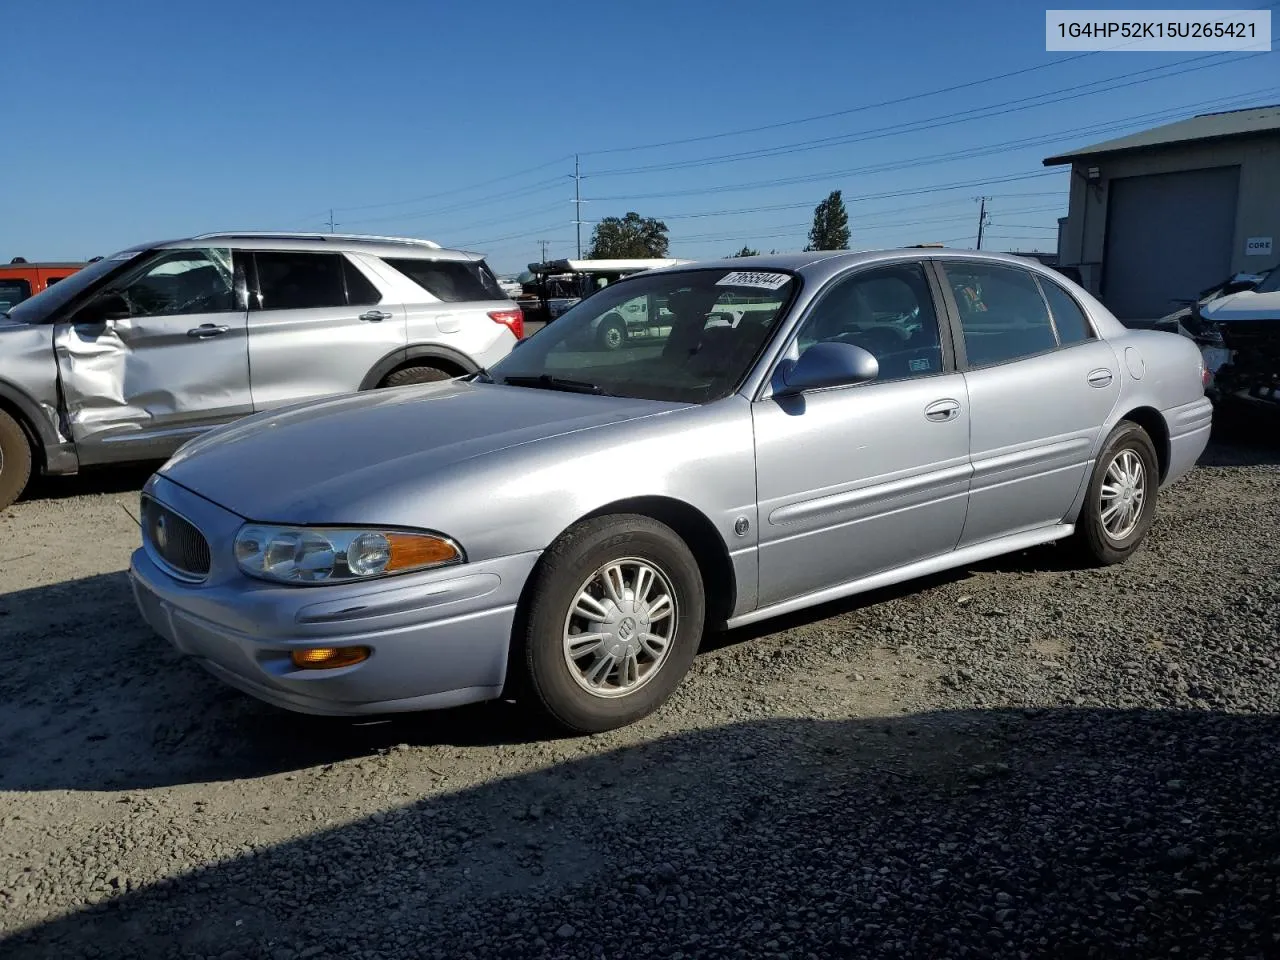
<point x="327" y="658"/>
<point x="410" y="550"/>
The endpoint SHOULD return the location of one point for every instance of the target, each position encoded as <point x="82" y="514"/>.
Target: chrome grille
<point x="175" y="541"/>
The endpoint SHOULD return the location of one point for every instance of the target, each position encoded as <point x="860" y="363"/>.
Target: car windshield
<point x="64" y="291"/>
<point x="680" y="335"/>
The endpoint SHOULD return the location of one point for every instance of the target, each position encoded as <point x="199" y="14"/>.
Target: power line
<point x="457" y="190"/>
<point x="1076" y="91"/>
<point x="858" y="109"/>
<point x="840" y="113"/>
<point x="970" y="153"/>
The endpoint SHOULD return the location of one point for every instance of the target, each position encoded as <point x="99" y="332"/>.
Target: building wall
<point x="1257" y="211"/>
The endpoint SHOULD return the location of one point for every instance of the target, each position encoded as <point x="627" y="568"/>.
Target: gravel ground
<point x="1016" y="760"/>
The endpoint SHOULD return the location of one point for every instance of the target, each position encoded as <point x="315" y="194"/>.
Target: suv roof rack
<point x="283" y="235"/>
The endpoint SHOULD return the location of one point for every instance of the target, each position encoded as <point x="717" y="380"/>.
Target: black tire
<point x="420" y="374"/>
<point x="612" y="332"/>
<point x="548" y="680"/>
<point x="1095" y="543"/>
<point x="15" y="460"/>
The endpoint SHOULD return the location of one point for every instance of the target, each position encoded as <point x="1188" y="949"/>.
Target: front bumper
<point x="438" y="639"/>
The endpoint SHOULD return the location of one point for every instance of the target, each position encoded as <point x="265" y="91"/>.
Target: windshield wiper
<point x="547" y="382"/>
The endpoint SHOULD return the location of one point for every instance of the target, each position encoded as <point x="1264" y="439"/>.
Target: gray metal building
<point x="1162" y="214"/>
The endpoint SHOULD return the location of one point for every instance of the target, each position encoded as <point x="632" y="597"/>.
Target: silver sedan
<point x="565" y="527"/>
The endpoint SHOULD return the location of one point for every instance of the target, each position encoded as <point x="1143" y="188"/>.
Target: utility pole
<point x="330" y="222"/>
<point x="577" y="203"/>
<point x="982" y="217"/>
<point x="543" y="245"/>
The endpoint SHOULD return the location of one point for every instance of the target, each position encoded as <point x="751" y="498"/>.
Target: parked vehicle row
<point x="565" y="525"/>
<point x="138" y="352"/>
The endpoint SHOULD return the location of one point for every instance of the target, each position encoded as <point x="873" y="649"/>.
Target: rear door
<point x="136" y="386"/>
<point x="318" y="323"/>
<point x="1040" y="384"/>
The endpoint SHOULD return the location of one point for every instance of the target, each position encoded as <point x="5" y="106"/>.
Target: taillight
<point x="513" y="320"/>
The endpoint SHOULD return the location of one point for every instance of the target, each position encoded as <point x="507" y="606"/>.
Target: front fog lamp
<point x="337" y="555"/>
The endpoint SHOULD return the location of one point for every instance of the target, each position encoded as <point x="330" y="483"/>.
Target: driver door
<point x="857" y="480"/>
<point x="157" y="358"/>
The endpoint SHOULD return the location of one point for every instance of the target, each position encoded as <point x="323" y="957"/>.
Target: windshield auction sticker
<point x="750" y="278"/>
<point x="1134" y="30"/>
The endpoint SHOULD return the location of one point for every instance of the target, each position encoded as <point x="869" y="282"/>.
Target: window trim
<point x="350" y="266"/>
<point x="1042" y="282"/>
<point x="953" y="309"/>
<point x="946" y="335"/>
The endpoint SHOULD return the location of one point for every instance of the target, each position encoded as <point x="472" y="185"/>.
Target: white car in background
<point x="1240" y="339"/>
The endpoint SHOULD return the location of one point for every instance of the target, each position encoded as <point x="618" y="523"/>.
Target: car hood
<point x="1246" y="305"/>
<point x="297" y="464"/>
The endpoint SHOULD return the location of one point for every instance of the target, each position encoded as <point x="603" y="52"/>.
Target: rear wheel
<point x="1121" y="500"/>
<point x="15" y="460"/>
<point x="418" y="374"/>
<point x="612" y="332"/>
<point x="614" y="620"/>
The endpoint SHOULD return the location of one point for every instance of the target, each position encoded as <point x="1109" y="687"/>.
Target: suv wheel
<point x="614" y="620"/>
<point x="422" y="374"/>
<point x="1121" y="500"/>
<point x="15" y="460"/>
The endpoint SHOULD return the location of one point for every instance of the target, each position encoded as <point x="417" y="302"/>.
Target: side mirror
<point x="103" y="309"/>
<point x="828" y="364"/>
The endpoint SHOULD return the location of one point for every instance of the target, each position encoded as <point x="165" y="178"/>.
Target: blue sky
<point x="458" y="122"/>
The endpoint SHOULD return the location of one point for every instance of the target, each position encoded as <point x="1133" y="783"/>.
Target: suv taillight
<point x="513" y="320"/>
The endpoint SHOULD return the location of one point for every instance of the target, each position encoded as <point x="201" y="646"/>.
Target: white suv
<point x="140" y="351"/>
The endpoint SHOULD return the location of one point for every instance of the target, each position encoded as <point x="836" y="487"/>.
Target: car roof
<point x="43" y="265"/>
<point x="831" y="261"/>
<point x="378" y="246"/>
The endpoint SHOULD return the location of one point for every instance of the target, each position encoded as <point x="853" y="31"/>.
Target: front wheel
<point x="1121" y="500"/>
<point x="614" y="620"/>
<point x="15" y="460"/>
<point x="612" y="333"/>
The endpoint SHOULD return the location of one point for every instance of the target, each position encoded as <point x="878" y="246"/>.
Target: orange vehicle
<point x="20" y="280"/>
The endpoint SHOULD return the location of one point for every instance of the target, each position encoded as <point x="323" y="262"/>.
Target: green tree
<point x="747" y="252"/>
<point x="830" y="230"/>
<point x="629" y="236"/>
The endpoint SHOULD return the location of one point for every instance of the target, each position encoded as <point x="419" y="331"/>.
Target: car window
<point x="51" y="281"/>
<point x="453" y="281"/>
<point x="299" y="280"/>
<point x="13" y="291"/>
<point x="182" y="282"/>
<point x="887" y="311"/>
<point x="360" y="289"/>
<point x="1068" y="318"/>
<point x="688" y="335"/>
<point x="1002" y="314"/>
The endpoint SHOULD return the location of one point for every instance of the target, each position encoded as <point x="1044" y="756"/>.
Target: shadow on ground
<point x="982" y="834"/>
<point x="92" y="482"/>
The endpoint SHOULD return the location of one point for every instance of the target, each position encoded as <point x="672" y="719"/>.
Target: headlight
<point x="338" y="554"/>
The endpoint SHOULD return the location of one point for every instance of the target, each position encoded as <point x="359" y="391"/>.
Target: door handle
<point x="942" y="410"/>
<point x="207" y="330"/>
<point x="374" y="316"/>
<point x="1100" y="377"/>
